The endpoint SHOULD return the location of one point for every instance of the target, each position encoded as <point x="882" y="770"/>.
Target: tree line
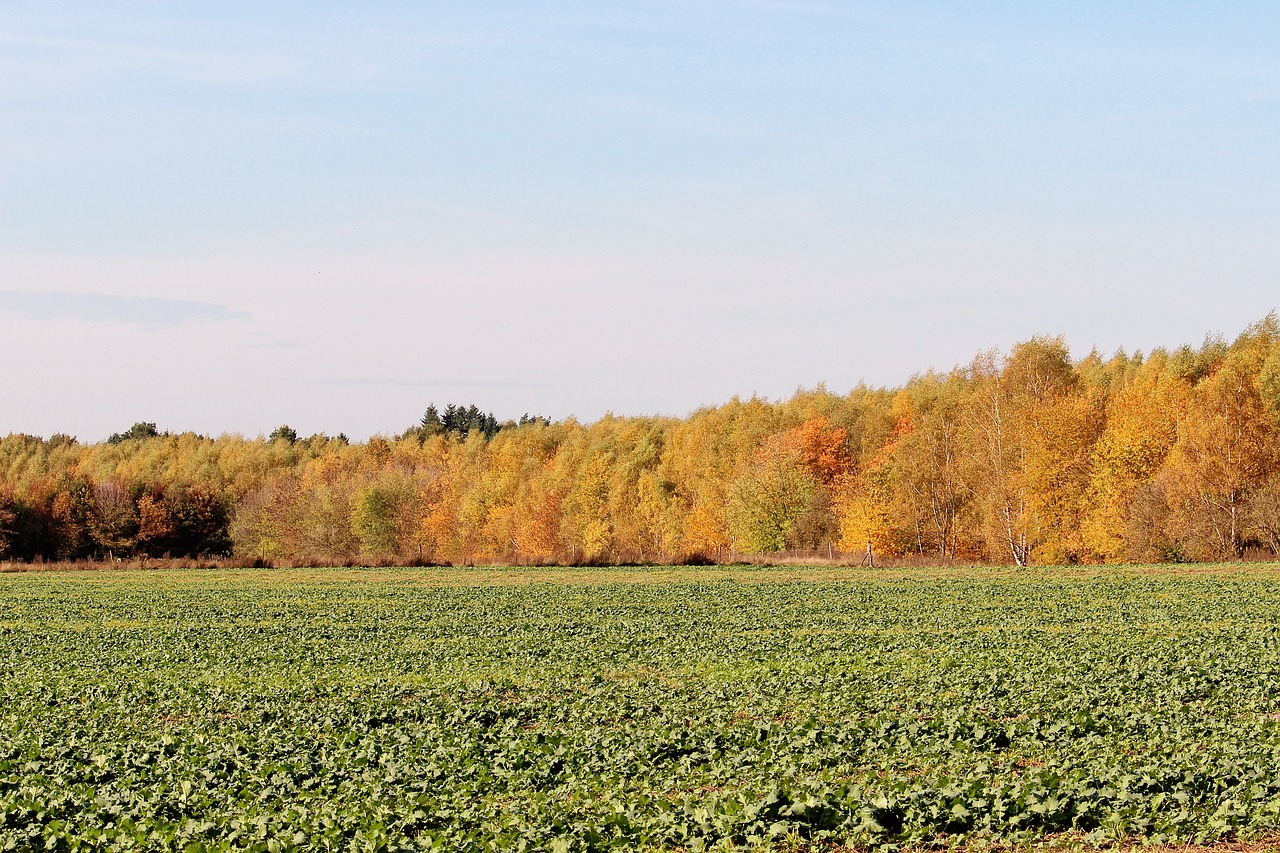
<point x="1021" y="457"/>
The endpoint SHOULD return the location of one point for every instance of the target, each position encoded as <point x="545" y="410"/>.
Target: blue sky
<point x="227" y="216"/>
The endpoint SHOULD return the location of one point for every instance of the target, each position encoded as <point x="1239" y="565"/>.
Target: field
<point x="507" y="709"/>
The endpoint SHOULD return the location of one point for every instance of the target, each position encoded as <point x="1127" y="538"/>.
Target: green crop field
<point x="562" y="709"/>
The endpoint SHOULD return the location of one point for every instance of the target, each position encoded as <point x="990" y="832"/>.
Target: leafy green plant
<point x="242" y="711"/>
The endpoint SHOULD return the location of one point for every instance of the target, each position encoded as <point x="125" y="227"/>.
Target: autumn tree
<point x="114" y="527"/>
<point x="767" y="500"/>
<point x="1014" y="438"/>
<point x="261" y="526"/>
<point x="156" y="524"/>
<point x="1262" y="513"/>
<point x="72" y="510"/>
<point x="36" y="531"/>
<point x="702" y="456"/>
<point x="1225" y="447"/>
<point x="1121" y="521"/>
<point x="1029" y="457"/>
<point x="321" y="510"/>
<point x="201" y="520"/>
<point x="374" y="519"/>
<point x="587" y="523"/>
<point x="923" y="490"/>
<point x="8" y="522"/>
<point x="1057" y="470"/>
<point x="866" y="501"/>
<point x="538" y="517"/>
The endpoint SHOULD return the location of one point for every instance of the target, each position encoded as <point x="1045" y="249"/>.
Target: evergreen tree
<point x="140" y="430"/>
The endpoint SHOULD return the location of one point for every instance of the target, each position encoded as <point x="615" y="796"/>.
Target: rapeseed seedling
<point x="412" y="710"/>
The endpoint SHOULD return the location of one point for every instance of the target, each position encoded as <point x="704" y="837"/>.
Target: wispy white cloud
<point x="430" y="383"/>
<point x="105" y="56"/>
<point x="148" y="311"/>
<point x="277" y="345"/>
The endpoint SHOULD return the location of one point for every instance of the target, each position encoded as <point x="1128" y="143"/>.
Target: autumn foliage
<point x="1024" y="457"/>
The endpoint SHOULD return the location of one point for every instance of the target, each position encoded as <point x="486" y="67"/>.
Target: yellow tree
<point x="587" y="523"/>
<point x="662" y="513"/>
<point x="321" y="517"/>
<point x="486" y="477"/>
<point x="1141" y="426"/>
<point x="537" y="509"/>
<point x="538" y="516"/>
<point x="1225" y="447"/>
<point x="994" y="462"/>
<point x="1008" y="401"/>
<point x="701" y="458"/>
<point x="640" y="497"/>
<point x="1057" y="471"/>
<point x="615" y="502"/>
<point x="866" y="521"/>
<point x="1263" y="509"/>
<point x="866" y="501"/>
<point x="260" y="525"/>
<point x="928" y="489"/>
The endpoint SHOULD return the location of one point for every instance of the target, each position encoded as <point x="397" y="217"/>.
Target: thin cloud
<point x="279" y="345"/>
<point x="431" y="383"/>
<point x="148" y="311"/>
<point x="99" y="56"/>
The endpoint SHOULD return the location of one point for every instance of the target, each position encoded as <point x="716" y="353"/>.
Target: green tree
<point x="375" y="520"/>
<point x="768" y="500"/>
<point x="140" y="431"/>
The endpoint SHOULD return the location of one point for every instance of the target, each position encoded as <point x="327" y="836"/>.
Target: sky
<point x="226" y="216"/>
